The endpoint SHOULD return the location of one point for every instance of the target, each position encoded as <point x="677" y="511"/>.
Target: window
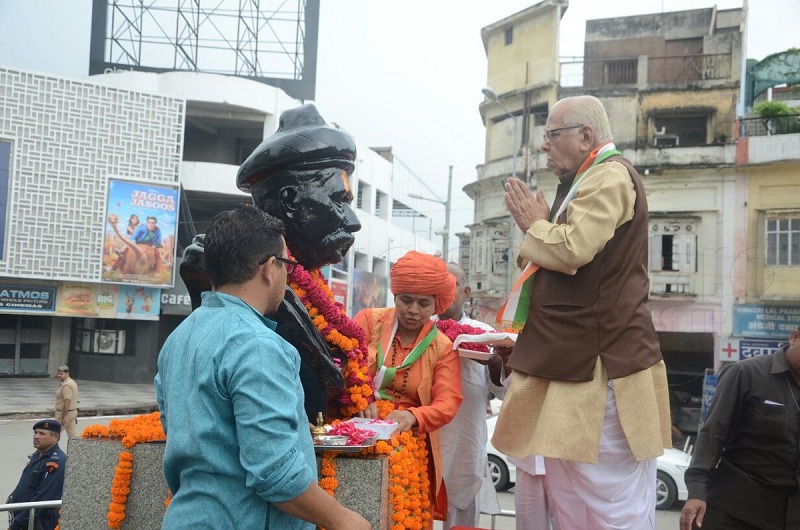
<point x="509" y="35"/>
<point x="673" y="255"/>
<point x="364" y="196"/>
<point x="621" y="72"/>
<point x="685" y="130"/>
<point x="783" y="241"/>
<point x="361" y="261"/>
<point x="381" y="205"/>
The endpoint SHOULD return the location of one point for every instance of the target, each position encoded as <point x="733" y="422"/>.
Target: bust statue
<point x="300" y="175"/>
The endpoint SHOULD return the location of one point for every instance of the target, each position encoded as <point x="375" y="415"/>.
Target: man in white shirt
<point x="466" y="464"/>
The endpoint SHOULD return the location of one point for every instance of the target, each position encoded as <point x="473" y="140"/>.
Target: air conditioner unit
<point x="104" y="341"/>
<point x="669" y="140"/>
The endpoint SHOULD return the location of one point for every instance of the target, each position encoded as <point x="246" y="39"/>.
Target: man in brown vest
<point x="589" y="387"/>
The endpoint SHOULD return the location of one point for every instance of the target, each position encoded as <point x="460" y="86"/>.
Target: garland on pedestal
<point x="120" y="489"/>
<point x="139" y="429"/>
<point x="409" y="484"/>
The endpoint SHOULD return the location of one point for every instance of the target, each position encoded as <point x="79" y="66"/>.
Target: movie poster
<point x="369" y="290"/>
<point x="140" y="230"/>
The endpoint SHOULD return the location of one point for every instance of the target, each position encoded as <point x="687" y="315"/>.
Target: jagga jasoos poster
<point x="140" y="231"/>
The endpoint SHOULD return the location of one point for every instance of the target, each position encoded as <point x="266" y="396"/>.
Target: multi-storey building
<point x="670" y="83"/>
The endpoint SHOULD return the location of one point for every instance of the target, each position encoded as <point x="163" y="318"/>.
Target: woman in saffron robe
<point x="413" y="363"/>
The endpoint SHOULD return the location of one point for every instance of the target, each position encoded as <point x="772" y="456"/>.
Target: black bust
<point x="300" y="175"/>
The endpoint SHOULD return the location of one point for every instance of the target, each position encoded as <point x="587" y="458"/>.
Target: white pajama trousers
<point x="617" y="493"/>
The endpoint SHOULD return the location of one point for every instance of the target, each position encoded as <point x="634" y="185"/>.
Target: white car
<point x="670" y="486"/>
<point x="503" y="472"/>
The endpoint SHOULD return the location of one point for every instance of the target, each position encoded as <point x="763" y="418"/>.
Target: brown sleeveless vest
<point x="601" y="310"/>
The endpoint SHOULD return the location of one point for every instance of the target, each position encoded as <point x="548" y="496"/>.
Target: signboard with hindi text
<point x="709" y="388"/>
<point x="732" y="350"/>
<point x="755" y="321"/>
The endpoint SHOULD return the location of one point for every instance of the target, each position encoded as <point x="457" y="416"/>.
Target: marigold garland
<point x="339" y="331"/>
<point x="328" y="481"/>
<point x="139" y="429"/>
<point x="409" y="484"/>
<point x="120" y="488"/>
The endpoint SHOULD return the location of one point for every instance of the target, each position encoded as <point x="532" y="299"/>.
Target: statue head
<point x="301" y="175"/>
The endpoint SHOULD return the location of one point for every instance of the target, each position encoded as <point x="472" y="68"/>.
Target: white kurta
<point x="463" y="440"/>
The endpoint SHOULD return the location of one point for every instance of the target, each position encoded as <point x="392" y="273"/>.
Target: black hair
<point x="237" y="240"/>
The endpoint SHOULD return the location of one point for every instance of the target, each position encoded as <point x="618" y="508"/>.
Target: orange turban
<point x="418" y="273"/>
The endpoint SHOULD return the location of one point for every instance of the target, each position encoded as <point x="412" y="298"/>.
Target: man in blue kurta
<point x="239" y="452"/>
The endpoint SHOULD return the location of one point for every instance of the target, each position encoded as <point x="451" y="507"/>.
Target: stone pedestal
<point x="363" y="486"/>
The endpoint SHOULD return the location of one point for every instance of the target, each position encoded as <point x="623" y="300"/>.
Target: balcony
<point x="767" y="140"/>
<point x="646" y="71"/>
<point x="761" y="126"/>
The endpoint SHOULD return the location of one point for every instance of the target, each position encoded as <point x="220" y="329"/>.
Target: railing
<point x="687" y="68"/>
<point x="503" y="513"/>
<point x="768" y="126"/>
<point x="31" y="506"/>
<point x="624" y="71"/>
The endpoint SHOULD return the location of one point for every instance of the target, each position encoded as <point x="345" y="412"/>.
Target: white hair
<point x="589" y="111"/>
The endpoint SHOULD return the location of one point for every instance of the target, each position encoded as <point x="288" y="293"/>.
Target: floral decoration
<point x="453" y="329"/>
<point x="328" y="481"/>
<point x="120" y="488"/>
<point x="355" y="435"/>
<point x="409" y="484"/>
<point x="340" y="332"/>
<point x="139" y="429"/>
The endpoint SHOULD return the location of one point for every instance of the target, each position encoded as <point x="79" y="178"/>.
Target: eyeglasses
<point x="552" y="134"/>
<point x="291" y="265"/>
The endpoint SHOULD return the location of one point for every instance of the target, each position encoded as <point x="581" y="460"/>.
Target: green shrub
<point x="779" y="118"/>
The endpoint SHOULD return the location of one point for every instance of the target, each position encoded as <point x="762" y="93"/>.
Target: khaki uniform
<point x="68" y="390"/>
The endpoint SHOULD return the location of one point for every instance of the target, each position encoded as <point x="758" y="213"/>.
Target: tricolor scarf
<point x="514" y="311"/>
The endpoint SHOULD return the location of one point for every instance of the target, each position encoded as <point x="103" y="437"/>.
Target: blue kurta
<point x="231" y="403"/>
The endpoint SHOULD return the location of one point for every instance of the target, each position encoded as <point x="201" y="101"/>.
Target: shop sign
<point x="176" y="301"/>
<point x="765" y="322"/>
<point x="127" y="302"/>
<point x="710" y="380"/>
<point x="732" y="350"/>
<point x="27" y="298"/>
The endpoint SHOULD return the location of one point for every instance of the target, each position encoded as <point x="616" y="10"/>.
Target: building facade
<point x="75" y="156"/>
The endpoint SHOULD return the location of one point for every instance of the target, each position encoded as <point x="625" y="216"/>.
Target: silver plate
<point x="341" y="448"/>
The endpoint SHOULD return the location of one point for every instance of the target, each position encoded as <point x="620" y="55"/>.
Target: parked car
<point x="670" y="486"/>
<point x="503" y="472"/>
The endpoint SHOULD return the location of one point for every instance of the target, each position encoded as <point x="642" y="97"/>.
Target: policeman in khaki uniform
<point x="67" y="402"/>
<point x="42" y="479"/>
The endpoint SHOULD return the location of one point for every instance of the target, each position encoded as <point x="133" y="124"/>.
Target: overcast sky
<point x="405" y="73"/>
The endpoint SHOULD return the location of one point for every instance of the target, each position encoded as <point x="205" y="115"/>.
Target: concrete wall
<point x="773" y="190"/>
